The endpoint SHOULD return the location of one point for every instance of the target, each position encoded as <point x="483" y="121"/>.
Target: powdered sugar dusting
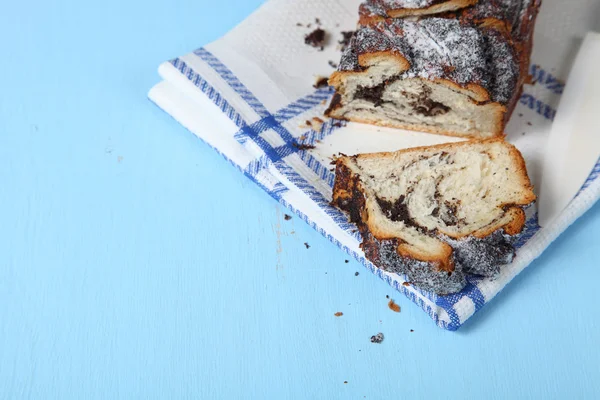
<point x="502" y="60"/>
<point x="443" y="48"/>
<point x="512" y="12"/>
<point x="381" y="7"/>
<point x="397" y="4"/>
<point x="440" y="48"/>
<point x="483" y="256"/>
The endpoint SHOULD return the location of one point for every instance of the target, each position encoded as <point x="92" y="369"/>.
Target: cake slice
<point x="437" y="213"/>
<point x="434" y="75"/>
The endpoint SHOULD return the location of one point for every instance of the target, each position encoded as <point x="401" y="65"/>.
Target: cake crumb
<point x="407" y="284"/>
<point x="307" y="245"/>
<point x="301" y="146"/>
<point x="387" y="297"/>
<point x="345" y="382"/>
<point x="332" y="64"/>
<point x="338" y="314"/>
<point x="317" y="124"/>
<point x="377" y="338"/>
<point x="412" y="330"/>
<point x="287" y="217"/>
<point x="316" y="39"/>
<point x="528" y="123"/>
<point x="356" y="273"/>
<point x="393" y="306"/>
<point x="346" y="261"/>
<point x="321" y="82"/>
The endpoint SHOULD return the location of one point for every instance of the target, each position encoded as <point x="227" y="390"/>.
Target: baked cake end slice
<point x="437" y="213"/>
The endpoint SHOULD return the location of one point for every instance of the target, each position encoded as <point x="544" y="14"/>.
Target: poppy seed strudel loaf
<point x="455" y="73"/>
<point x="437" y="213"/>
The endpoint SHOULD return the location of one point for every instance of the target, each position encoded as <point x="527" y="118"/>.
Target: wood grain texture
<point x="136" y="263"/>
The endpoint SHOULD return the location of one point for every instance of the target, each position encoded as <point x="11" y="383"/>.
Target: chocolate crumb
<point x="332" y="64"/>
<point x="303" y="146"/>
<point x="345" y="382"/>
<point x="387" y="297"/>
<point x="393" y="306"/>
<point x="316" y="38"/>
<point x="377" y="338"/>
<point x="321" y="82"/>
<point x="520" y="114"/>
<point x="528" y="123"/>
<point x="308" y="123"/>
<point x="406" y="284"/>
<point x="299" y="24"/>
<point x="523" y="133"/>
<point x="287" y="217"/>
<point x="412" y="330"/>
<point x="307" y="245"/>
<point x="346" y="261"/>
<point x="356" y="274"/>
<point x="338" y="314"/>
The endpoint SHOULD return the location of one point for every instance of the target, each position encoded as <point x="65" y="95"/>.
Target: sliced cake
<point x="458" y="73"/>
<point x="437" y="213"/>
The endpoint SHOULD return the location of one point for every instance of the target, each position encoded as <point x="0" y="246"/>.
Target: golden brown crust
<point x="473" y="90"/>
<point x="337" y="77"/>
<point x="434" y="9"/>
<point x="368" y="59"/>
<point x="442" y="262"/>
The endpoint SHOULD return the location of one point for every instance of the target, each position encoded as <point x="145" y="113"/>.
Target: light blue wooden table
<point x="135" y="263"/>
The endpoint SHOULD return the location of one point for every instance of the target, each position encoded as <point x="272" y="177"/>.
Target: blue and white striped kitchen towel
<point x="249" y="95"/>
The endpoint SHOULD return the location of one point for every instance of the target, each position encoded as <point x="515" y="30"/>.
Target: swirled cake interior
<point x="433" y="201"/>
